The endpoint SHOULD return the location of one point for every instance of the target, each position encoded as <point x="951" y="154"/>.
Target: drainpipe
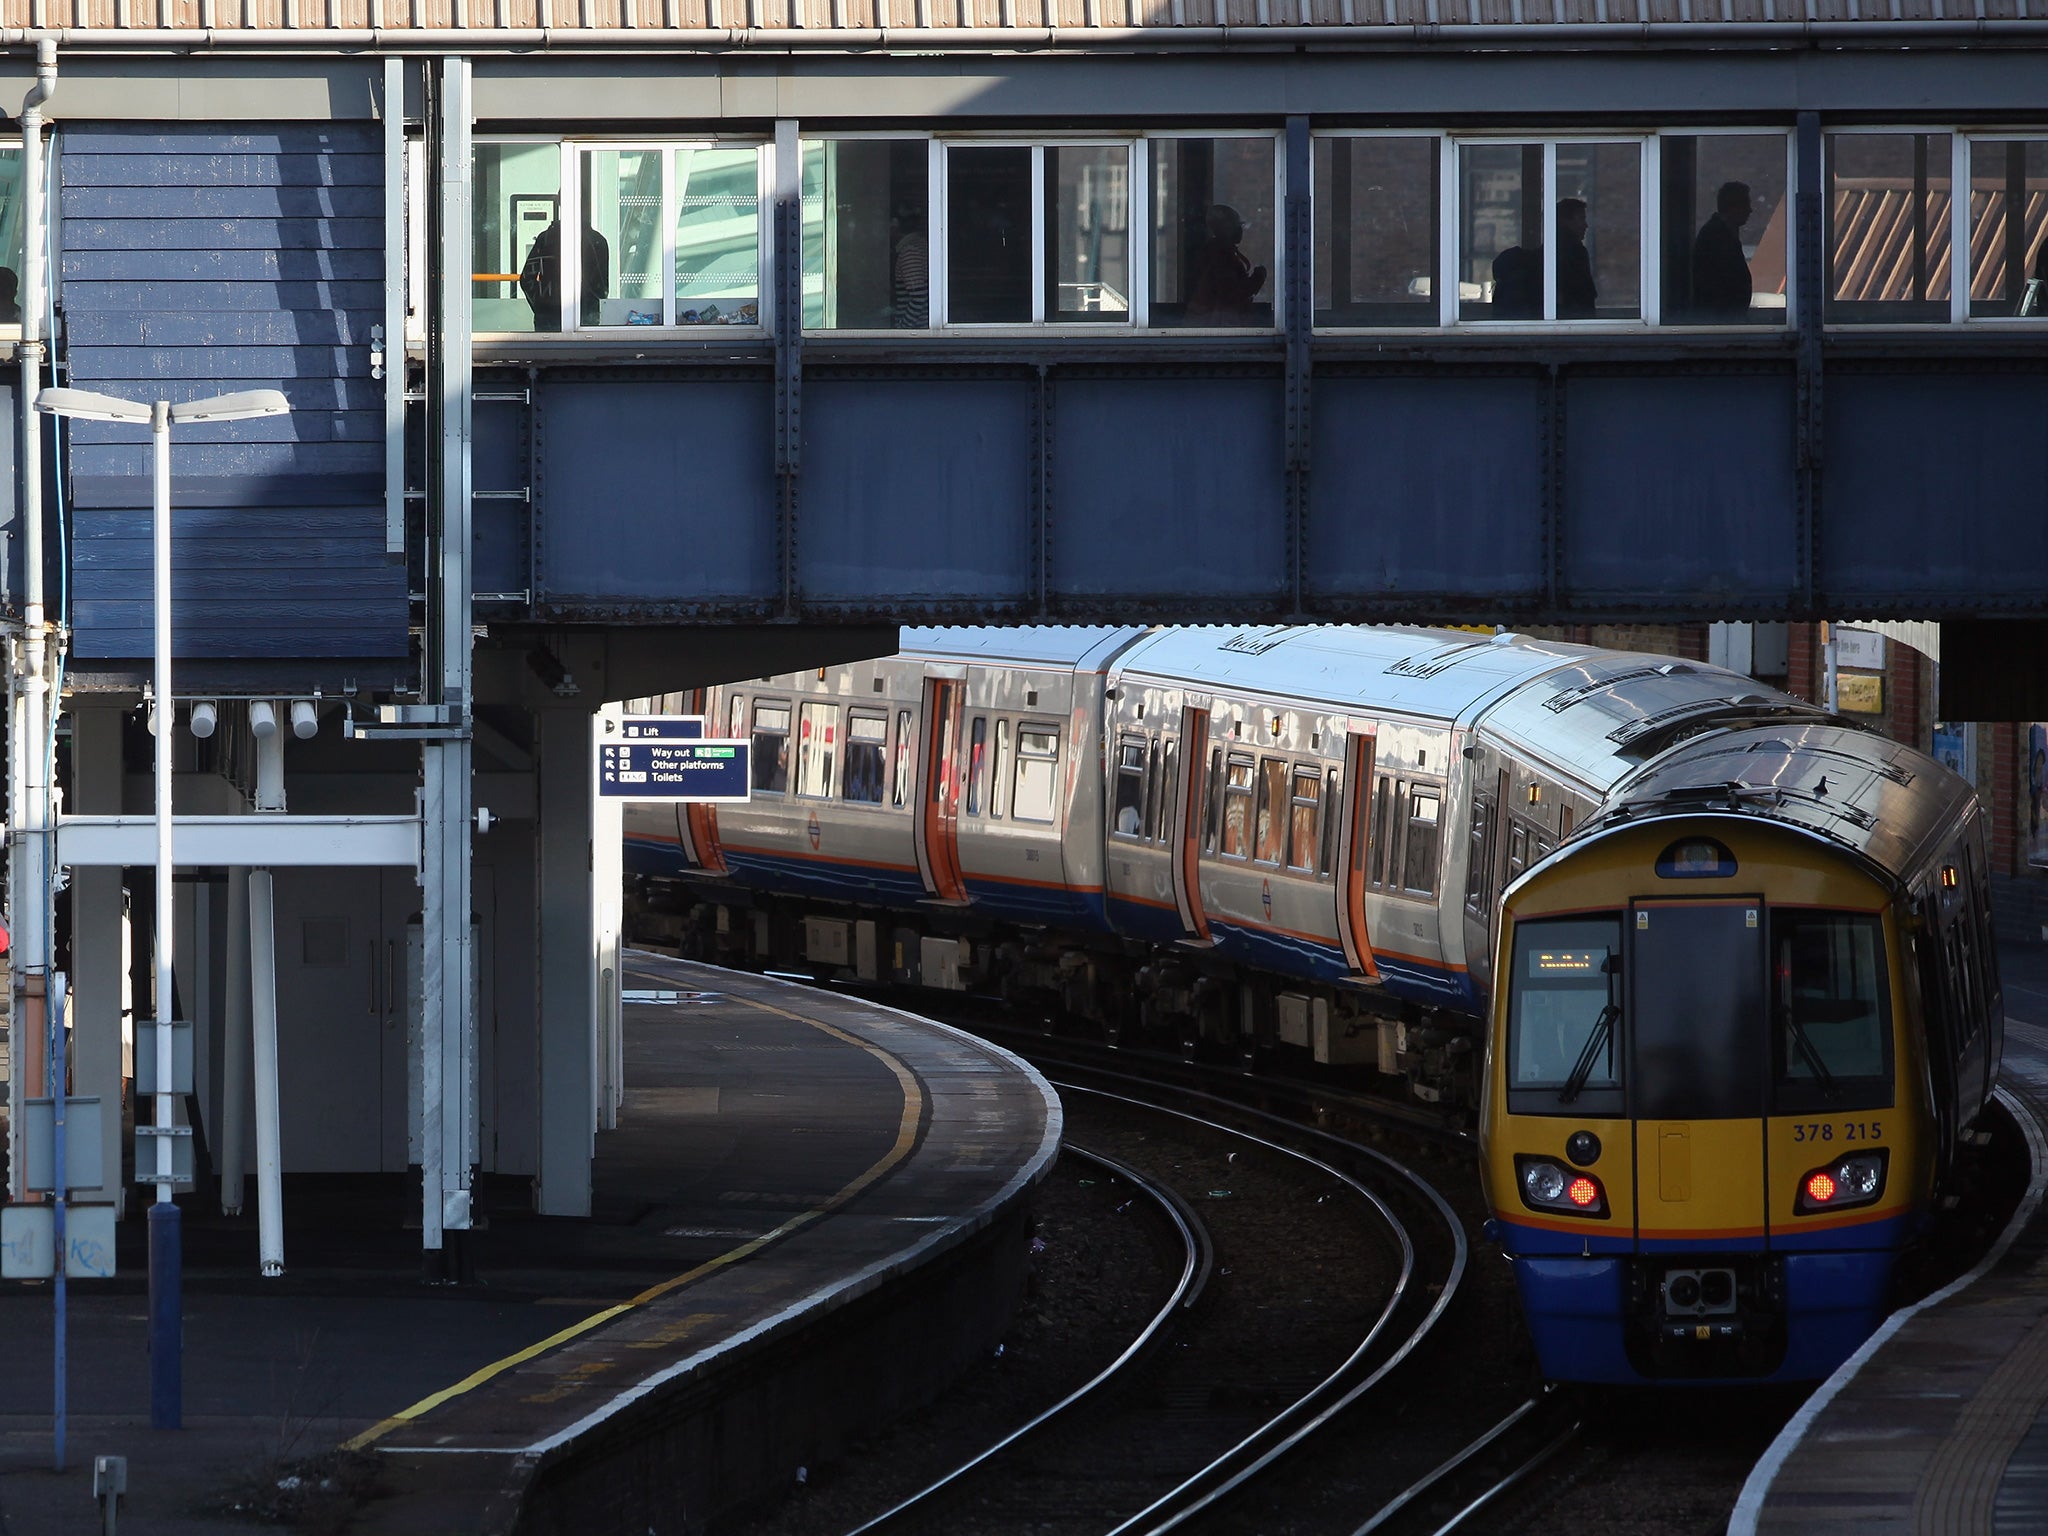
<point x="31" y="682"/>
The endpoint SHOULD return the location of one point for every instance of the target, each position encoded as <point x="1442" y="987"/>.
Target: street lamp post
<point x="166" y="1269"/>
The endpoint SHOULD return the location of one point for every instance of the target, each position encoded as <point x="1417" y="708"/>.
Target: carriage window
<point x="1154" y="793"/>
<point x="1304" y="805"/>
<point x="900" y="793"/>
<point x="771" y="748"/>
<point x="1237" y="810"/>
<point x="976" y="752"/>
<point x="1418" y="869"/>
<point x="1564" y="1001"/>
<point x="1830" y="1037"/>
<point x="1272" y="817"/>
<point x="1038" y="755"/>
<point x="1169" y="789"/>
<point x="1129" y="814"/>
<point x="1888" y="227"/>
<point x="999" y="775"/>
<point x="817" y="748"/>
<point x="1479" y="857"/>
<point x="1333" y="801"/>
<point x="1518" y="851"/>
<point x="1214" y="791"/>
<point x="736" y="718"/>
<point x="1382" y="827"/>
<point x="867" y="744"/>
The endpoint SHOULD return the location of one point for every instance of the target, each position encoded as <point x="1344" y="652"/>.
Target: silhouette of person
<point x="10" y="291"/>
<point x="1518" y="283"/>
<point x="1222" y="282"/>
<point x="1575" y="290"/>
<point x="540" y="279"/>
<point x="1720" y="272"/>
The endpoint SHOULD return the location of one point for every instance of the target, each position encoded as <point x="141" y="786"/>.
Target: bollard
<point x="109" y="1483"/>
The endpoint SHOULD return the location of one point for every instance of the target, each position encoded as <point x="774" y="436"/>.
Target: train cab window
<point x="999" y="773"/>
<point x="1565" y="1026"/>
<point x="977" y="753"/>
<point x="1830" y="1029"/>
<point x="817" y="748"/>
<point x="1128" y="817"/>
<point x="771" y="748"/>
<point x="899" y="793"/>
<point x="1038" y="758"/>
<point x="1271" y="822"/>
<point x="1237" y="809"/>
<point x="1418" y="867"/>
<point x="867" y="744"/>
<point x="1304" y="805"/>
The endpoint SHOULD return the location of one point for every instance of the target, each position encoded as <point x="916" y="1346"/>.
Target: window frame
<point x="864" y="712"/>
<point x="570" y="148"/>
<point x="1043" y="728"/>
<point x="1446" y="227"/>
<point x="1651" y="221"/>
<point x="1141" y="282"/>
<point x="1960" y="230"/>
<point x="1958" y="157"/>
<point x="935" y="258"/>
<point x="790" y="717"/>
<point x="940" y="306"/>
<point x="1649" y="277"/>
<point x="1129" y="741"/>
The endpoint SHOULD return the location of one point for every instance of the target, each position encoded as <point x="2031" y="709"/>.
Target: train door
<point x="938" y="817"/>
<point x="1351" y="860"/>
<point x="697" y="825"/>
<point x="1190" y="794"/>
<point x="1695" y="976"/>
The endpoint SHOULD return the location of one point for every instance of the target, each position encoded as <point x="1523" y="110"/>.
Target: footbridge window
<point x="1378" y="202"/>
<point x="573" y="237"/>
<point x="1550" y="230"/>
<point x="1889" y="236"/>
<point x="1726" y="228"/>
<point x="2008" y="229"/>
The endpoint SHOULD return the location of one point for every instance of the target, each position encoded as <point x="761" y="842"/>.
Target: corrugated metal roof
<point x="1031" y="22"/>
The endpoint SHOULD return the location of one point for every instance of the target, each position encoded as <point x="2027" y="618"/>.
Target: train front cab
<point x="1700" y="1137"/>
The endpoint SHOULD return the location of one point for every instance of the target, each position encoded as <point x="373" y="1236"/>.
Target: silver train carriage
<point x="1233" y="839"/>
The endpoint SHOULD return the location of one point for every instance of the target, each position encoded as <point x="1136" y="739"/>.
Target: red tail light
<point x="1820" y="1188"/>
<point x="1583" y="1192"/>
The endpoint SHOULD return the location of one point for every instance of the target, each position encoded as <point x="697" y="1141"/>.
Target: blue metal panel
<point x="1679" y="490"/>
<point x="200" y="261"/>
<point x="1935" y="488"/>
<point x="1170" y="487"/>
<point x="1425" y="485"/>
<point x="655" y="492"/>
<point x="895" y="510"/>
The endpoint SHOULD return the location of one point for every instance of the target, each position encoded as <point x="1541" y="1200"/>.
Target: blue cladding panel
<point x="1168" y="486"/>
<point x="1936" y="485"/>
<point x="1680" y="489"/>
<point x="206" y="260"/>
<point x="1421" y="485"/>
<point x="655" y="491"/>
<point x="939" y="470"/>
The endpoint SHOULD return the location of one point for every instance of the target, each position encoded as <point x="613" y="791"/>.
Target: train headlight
<point x="1547" y="1185"/>
<point x="1857" y="1179"/>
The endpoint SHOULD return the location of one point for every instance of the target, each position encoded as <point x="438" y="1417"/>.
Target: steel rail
<point x="1315" y="1408"/>
<point x="1557" y="1444"/>
<point x="1443" y="1469"/>
<point x="1196" y="1268"/>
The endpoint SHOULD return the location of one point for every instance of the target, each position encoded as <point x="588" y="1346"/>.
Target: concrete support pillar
<point x="97" y="965"/>
<point x="568" y="940"/>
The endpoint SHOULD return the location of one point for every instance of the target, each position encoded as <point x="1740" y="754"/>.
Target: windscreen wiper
<point x="1603" y="1029"/>
<point x="1810" y="1056"/>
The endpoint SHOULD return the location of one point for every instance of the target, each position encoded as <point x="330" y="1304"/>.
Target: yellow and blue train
<point x="1713" y="969"/>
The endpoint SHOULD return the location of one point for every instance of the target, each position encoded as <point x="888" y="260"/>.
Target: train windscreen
<point x="1831" y="1038"/>
<point x="1564" y="1017"/>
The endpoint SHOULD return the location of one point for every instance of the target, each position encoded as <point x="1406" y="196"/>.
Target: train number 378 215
<point x="1827" y="1130"/>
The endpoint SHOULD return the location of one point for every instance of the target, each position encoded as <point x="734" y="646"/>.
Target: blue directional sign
<point x="668" y="757"/>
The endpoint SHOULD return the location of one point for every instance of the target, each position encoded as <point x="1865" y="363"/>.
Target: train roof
<point x="1435" y="673"/>
<point x="1080" y="646"/>
<point x="1862" y="791"/>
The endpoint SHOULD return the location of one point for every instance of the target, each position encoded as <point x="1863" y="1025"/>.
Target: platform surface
<point x="779" y="1148"/>
<point x="1940" y="1427"/>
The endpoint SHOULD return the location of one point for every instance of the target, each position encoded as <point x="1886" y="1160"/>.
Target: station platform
<point x="1939" y="1426"/>
<point x="812" y="1215"/>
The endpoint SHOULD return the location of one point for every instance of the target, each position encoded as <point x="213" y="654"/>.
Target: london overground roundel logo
<point x="1265" y="895"/>
<point x="815" y="831"/>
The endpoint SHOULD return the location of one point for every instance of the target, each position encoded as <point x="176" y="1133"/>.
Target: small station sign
<point x="668" y="757"/>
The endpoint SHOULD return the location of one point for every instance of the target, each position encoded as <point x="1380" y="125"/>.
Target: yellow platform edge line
<point x="906" y="1140"/>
